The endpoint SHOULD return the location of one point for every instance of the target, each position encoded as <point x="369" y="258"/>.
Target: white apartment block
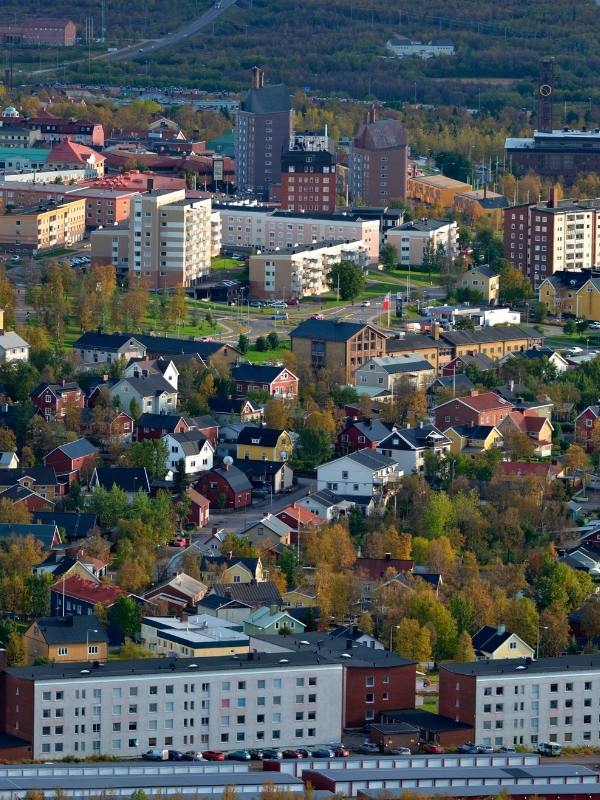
<point x="411" y="238"/>
<point x="301" y="271"/>
<point x="524" y="702"/>
<point x="168" y="242"/>
<point x="258" y="227"/>
<point x="123" y="708"/>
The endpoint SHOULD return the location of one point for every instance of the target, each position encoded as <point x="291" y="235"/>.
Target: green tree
<point x="126" y="615"/>
<point x="261" y="344"/>
<point x="388" y="255"/>
<point x="454" y="165"/>
<point x="152" y="454"/>
<point x="349" y="278"/>
<point x="243" y="343"/>
<point x="315" y="447"/>
<point x="514" y="286"/>
<point x="438" y="515"/>
<point x="464" y="648"/>
<point x="109" y="506"/>
<point x="569" y="327"/>
<point x="273" y="340"/>
<point x="134" y="409"/>
<point x="15" y="650"/>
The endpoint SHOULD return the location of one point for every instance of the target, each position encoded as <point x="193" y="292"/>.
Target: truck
<point x="549" y="749"/>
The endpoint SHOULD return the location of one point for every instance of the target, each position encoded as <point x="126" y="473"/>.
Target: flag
<point x="386" y="302"/>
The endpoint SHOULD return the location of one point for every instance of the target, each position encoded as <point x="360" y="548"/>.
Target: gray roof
<point x="263" y="593"/>
<point x="107" y="342"/>
<point x="329" y="330"/>
<point x="130" y="479"/>
<point x="43" y="533"/>
<point x="371" y="459"/>
<point x="520" y="666"/>
<point x="424" y="225"/>
<point x="234" y="476"/>
<point x="472" y="431"/>
<point x="383" y="134"/>
<point x="191" y="442"/>
<point x="482" y="269"/>
<point x="274" y="524"/>
<point x="407" y="362"/>
<point x="372" y="429"/>
<point x="72" y="629"/>
<point x="497" y="333"/>
<point x="414" y="438"/>
<point x="261" y="373"/>
<point x="149" y="385"/>
<point x="11" y="339"/>
<point x="325" y="498"/>
<point x="267" y="99"/>
<point x="459" y="381"/>
<point x="262" y="437"/>
<point x="489" y="638"/>
<point x="77" y="449"/>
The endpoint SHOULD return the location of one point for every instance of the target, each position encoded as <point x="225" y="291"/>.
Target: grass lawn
<point x="430" y="705"/>
<point x="223" y="262"/>
<point x="255" y="357"/>
<point x="417" y="277"/>
<point x="562" y="340"/>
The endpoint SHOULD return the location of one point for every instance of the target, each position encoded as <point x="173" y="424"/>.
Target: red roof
<point x="89" y="591"/>
<point x="72" y="152"/>
<point x="528" y="469"/>
<point x="375" y="568"/>
<point x="136" y="181"/>
<point x="303" y="515"/>
<point x="486" y="401"/>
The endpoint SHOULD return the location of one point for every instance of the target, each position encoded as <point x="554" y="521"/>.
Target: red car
<point x="214" y="755"/>
<point x="431" y="747"/>
<point x="292" y="754"/>
<point x="293" y="301"/>
<point x="341" y="751"/>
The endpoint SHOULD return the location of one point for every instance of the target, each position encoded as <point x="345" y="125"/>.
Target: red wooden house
<point x="22" y="496"/>
<point x="276" y="381"/>
<point x="486" y="408"/>
<point x="51" y="399"/>
<point x="155" y="426"/>
<point x="584" y="427"/>
<point x="226" y="487"/>
<point x="361" y="433"/>
<point x="68" y="460"/>
<point x="199" y="507"/>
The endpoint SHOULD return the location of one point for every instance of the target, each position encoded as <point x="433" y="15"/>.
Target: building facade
<point x="436" y="190"/>
<point x="264" y="123"/>
<point x="123" y="708"/>
<point x="308" y="175"/>
<point x="412" y="238"/>
<point x="33" y="229"/>
<point x="378" y="161"/>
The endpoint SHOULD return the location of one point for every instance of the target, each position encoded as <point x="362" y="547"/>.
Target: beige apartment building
<point x="168" y="241"/>
<point x="435" y="189"/>
<point x="301" y="271"/>
<point x="43" y="227"/>
<point x="411" y="238"/>
<point x="261" y="226"/>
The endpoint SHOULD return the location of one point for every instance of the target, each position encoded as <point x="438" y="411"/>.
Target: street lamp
<point x="537" y="647"/>
<point x="392" y="629"/>
<point x="87" y="640"/>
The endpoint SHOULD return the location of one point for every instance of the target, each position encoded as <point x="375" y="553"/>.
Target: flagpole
<point x="389" y="303"/>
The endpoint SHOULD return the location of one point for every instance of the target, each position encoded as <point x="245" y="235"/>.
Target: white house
<point x="402" y="47"/>
<point x="326" y="505"/>
<point x="363" y="475"/>
<point x="141" y="368"/>
<point x="384" y="371"/>
<point x="13" y="347"/>
<point x="407" y="446"/>
<point x="153" y="394"/>
<point x="193" y="448"/>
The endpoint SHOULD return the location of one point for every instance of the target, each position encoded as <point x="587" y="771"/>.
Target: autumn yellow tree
<point x="412" y="640"/>
<point x="464" y="648"/>
<point x="278" y="414"/>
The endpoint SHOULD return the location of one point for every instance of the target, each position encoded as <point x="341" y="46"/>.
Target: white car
<point x="365" y="303"/>
<point x="594" y="325"/>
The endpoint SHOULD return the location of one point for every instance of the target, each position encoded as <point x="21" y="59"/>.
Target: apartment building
<point x="511" y="702"/>
<point x="168" y="241"/>
<point x="308" y="175"/>
<point x="548" y="237"/>
<point x="261" y="226"/>
<point x="303" y="270"/>
<point x="264" y="123"/>
<point x="378" y="161"/>
<point x="43" y="227"/>
<point x="121" y="708"/>
<point x="411" y="239"/>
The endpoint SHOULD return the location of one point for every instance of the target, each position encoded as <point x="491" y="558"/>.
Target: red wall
<point x="455" y="687"/>
<point x="400" y="690"/>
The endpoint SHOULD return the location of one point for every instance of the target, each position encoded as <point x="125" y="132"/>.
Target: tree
<point x="349" y="278"/>
<point x="130" y="650"/>
<point x="135" y="409"/>
<point x="437" y="515"/>
<point x="315" y="447"/>
<point x="569" y="327"/>
<point x="151" y="454"/>
<point x="238" y="546"/>
<point x="590" y="618"/>
<point x="388" y="255"/>
<point x="514" y="286"/>
<point x="554" y="630"/>
<point x="518" y="444"/>
<point x="15" y="650"/>
<point x="464" y="648"/>
<point x="273" y="340"/>
<point x="575" y="458"/>
<point x="408" y="406"/>
<point x="278" y="414"/>
<point x="261" y="344"/>
<point x="454" y="165"/>
<point x="132" y="575"/>
<point x="125" y="614"/>
<point x="412" y="640"/>
<point x="243" y="343"/>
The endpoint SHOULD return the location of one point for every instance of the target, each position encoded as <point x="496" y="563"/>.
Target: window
<point x="554" y="687"/>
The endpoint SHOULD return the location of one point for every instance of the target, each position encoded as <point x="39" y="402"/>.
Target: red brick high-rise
<point x="378" y="161"/>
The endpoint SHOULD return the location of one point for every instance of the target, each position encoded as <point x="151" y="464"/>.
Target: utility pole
<point x="103" y="20"/>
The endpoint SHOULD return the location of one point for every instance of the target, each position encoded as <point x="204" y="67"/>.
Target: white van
<point x="549" y="749"/>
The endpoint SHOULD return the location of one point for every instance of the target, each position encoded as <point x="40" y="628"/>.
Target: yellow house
<point x="243" y="570"/>
<point x="70" y="638"/>
<point x="483" y="279"/>
<point x="264" y="444"/>
<point x="569" y="292"/>
<point x="299" y="598"/>
<point x="472" y="440"/>
<point x="496" y="642"/>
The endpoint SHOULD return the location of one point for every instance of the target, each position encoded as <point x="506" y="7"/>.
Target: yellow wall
<point x="237" y="574"/>
<point x="258" y="453"/>
<point x="37" y="647"/>
<point x="583" y="303"/>
<point x="298" y="600"/>
<point x="505" y="651"/>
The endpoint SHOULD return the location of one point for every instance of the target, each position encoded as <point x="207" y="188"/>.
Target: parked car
<point x="467" y="747"/>
<point x="365" y="303"/>
<point x="369" y="748"/>
<point x="279" y="304"/>
<point x="281" y="315"/>
<point x="594" y="325"/>
<point x="318" y="315"/>
<point x="323" y="752"/>
<point x="192" y="755"/>
<point x="431" y="747"/>
<point x="303" y="752"/>
<point x="256" y="754"/>
<point x="156" y="754"/>
<point x="256" y="304"/>
<point x="293" y="301"/>
<point x="340" y="751"/>
<point x="213" y="755"/>
<point x="272" y="754"/>
<point x="239" y="755"/>
<point x="506" y="749"/>
<point x="484" y="748"/>
<point x="175" y="755"/>
<point x="292" y="754"/>
<point x="399" y="751"/>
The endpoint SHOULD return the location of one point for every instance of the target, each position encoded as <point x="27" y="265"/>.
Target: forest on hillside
<point x="338" y="47"/>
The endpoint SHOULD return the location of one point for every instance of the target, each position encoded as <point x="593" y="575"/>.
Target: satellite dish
<point x="228" y="461"/>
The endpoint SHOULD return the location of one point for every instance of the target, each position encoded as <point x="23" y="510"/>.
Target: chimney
<point x="501" y="629"/>
<point x="512" y="385"/>
<point x="258" y="78"/>
<point x="553" y="201"/>
<point x="183" y="616"/>
<point x="388" y="557"/>
<point x="473" y="393"/>
<point x="229" y="555"/>
<point x="435" y="331"/>
<point x="150" y="184"/>
<point x="484" y="191"/>
<point x="420" y="423"/>
<point x="371" y="114"/>
<point x="215" y="530"/>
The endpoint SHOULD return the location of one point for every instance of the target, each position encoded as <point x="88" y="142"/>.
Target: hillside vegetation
<point x="338" y="46"/>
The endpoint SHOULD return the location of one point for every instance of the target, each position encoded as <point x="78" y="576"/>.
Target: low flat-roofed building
<point x="195" y="636"/>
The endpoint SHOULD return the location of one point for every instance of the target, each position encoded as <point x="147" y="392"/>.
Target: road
<point x="238" y="520"/>
<point x="145" y="47"/>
